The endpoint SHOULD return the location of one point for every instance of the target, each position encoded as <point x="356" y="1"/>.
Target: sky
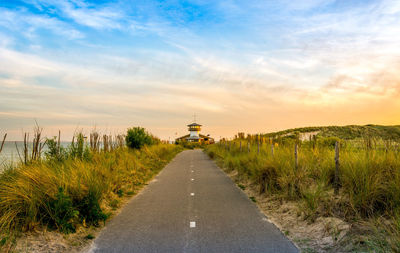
<point x="241" y="66"/>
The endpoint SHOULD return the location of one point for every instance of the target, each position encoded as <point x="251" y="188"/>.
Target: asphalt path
<point x="191" y="206"/>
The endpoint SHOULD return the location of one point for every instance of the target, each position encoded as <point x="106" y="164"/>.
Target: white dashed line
<point x="192" y="179"/>
<point x="192" y="194"/>
<point x="192" y="170"/>
<point x="192" y="224"/>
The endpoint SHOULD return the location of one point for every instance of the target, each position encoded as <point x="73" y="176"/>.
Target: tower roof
<point x="193" y="124"/>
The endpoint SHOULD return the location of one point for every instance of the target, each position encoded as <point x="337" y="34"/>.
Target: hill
<point x="349" y="132"/>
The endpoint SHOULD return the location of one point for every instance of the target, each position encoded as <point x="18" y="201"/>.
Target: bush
<point x="62" y="212"/>
<point x="90" y="210"/>
<point x="137" y="137"/>
<point x="54" y="151"/>
<point x="328" y="141"/>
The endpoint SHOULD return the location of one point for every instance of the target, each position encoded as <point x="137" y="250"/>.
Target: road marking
<point x="192" y="170"/>
<point x="192" y="194"/>
<point x="192" y="224"/>
<point x="192" y="179"/>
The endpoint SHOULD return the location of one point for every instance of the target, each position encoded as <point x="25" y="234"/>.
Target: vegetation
<point x="369" y="178"/>
<point x="191" y="145"/>
<point x="137" y="137"/>
<point x="350" y="132"/>
<point x="74" y="186"/>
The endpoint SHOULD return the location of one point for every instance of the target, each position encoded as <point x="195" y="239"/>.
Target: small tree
<point x="54" y="150"/>
<point x="137" y="137"/>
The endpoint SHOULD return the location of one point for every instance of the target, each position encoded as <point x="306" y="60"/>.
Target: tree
<point x="137" y="137"/>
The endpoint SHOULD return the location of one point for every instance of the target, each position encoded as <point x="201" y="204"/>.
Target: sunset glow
<point x="249" y="66"/>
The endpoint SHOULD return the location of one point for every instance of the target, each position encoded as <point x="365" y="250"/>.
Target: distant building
<point x="195" y="135"/>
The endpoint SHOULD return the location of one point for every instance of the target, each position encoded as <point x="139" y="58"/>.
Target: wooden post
<point x="2" y="143"/>
<point x="337" y="170"/>
<point x="296" y="161"/>
<point x="258" y="147"/>
<point x="248" y="146"/>
<point x="272" y="149"/>
<point x="25" y="149"/>
<point x="314" y="141"/>
<point x="240" y="144"/>
<point x="58" y="143"/>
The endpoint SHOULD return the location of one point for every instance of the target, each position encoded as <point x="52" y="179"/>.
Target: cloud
<point x="29" y="24"/>
<point x="109" y="16"/>
<point x="256" y="67"/>
<point x="95" y="18"/>
<point x="305" y="4"/>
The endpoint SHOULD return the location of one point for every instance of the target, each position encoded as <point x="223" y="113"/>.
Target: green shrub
<point x="61" y="212"/>
<point x="54" y="152"/>
<point x="89" y="237"/>
<point x="3" y="241"/>
<point x="137" y="137"/>
<point x="89" y="209"/>
<point x="120" y="193"/>
<point x="327" y="141"/>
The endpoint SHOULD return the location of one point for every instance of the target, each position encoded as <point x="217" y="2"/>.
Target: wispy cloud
<point x="29" y="24"/>
<point x="108" y="16"/>
<point x="84" y="14"/>
<point x="257" y="65"/>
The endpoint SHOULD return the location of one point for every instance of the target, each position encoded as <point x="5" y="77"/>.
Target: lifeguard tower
<point x="194" y="134"/>
<point x="194" y="130"/>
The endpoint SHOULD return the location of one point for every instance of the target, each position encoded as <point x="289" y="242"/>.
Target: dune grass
<point x="350" y="132"/>
<point x="369" y="179"/>
<point x="75" y="191"/>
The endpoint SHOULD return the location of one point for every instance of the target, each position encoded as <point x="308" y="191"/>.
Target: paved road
<point x="167" y="217"/>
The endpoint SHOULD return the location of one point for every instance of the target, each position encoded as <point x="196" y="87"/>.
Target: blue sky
<point x="252" y="66"/>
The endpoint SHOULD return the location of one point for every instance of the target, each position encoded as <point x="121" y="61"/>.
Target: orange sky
<point x="254" y="67"/>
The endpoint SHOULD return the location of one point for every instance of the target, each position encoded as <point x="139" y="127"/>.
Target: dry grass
<point x="75" y="191"/>
<point x="369" y="180"/>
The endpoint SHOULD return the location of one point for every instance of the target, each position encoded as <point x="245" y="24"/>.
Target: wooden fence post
<point x="248" y="146"/>
<point x="2" y="143"/>
<point x="296" y="161"/>
<point x="240" y="144"/>
<point x="26" y="148"/>
<point x="58" y="143"/>
<point x="258" y="147"/>
<point x="337" y="170"/>
<point x="314" y="141"/>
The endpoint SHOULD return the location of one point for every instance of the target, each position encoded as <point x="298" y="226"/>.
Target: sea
<point x="9" y="154"/>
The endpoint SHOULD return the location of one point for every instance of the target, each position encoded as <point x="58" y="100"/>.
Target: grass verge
<point x="367" y="205"/>
<point x="74" y="193"/>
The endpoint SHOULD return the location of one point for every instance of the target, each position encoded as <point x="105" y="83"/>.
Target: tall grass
<point x="64" y="192"/>
<point x="369" y="178"/>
